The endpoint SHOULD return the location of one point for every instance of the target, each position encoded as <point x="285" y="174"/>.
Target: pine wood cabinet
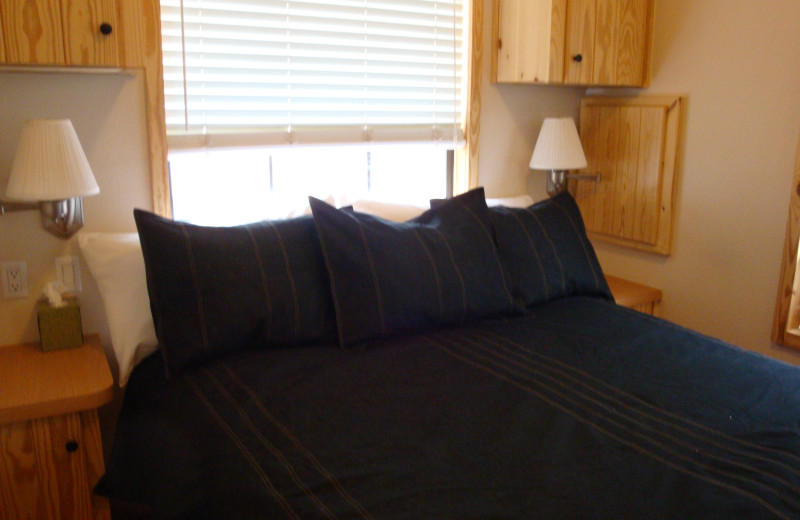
<point x="60" y="32"/>
<point x="51" y="454"/>
<point x="576" y="42"/>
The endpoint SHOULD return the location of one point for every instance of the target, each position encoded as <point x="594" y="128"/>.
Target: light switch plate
<point x="68" y="272"/>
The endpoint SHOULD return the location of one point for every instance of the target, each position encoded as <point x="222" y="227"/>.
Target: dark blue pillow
<point x="546" y="252"/>
<point x="441" y="268"/>
<point x="215" y="290"/>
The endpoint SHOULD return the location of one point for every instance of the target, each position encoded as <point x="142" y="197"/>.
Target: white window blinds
<point x="274" y="72"/>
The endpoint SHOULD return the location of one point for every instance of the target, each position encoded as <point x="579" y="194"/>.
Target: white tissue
<point x="53" y="291"/>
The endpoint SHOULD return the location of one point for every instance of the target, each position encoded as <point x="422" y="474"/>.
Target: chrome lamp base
<point x="62" y="218"/>
<point x="557" y="180"/>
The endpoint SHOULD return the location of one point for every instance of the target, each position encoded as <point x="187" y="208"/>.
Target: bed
<point x="468" y="363"/>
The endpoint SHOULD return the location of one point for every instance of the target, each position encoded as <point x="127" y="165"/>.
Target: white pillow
<point x="520" y="201"/>
<point x="389" y="210"/>
<point x="117" y="265"/>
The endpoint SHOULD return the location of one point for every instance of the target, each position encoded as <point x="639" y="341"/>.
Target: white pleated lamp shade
<point x="558" y="146"/>
<point x="50" y="164"/>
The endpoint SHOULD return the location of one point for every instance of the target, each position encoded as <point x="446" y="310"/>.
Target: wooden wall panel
<point x="633" y="144"/>
<point x="33" y="32"/>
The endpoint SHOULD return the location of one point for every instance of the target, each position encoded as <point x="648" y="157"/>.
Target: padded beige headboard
<point x="632" y="143"/>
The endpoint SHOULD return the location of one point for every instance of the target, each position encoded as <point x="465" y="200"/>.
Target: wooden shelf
<point x="36" y="384"/>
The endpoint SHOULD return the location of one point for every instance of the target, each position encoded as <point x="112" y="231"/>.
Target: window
<point x="262" y="183"/>
<point x="261" y="73"/>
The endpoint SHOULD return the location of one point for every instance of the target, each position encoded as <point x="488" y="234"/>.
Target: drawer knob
<point x="105" y="28"/>
<point x="577" y="58"/>
<point x="71" y="447"/>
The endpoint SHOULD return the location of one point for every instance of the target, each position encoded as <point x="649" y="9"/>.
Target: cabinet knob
<point x="71" y="447"/>
<point x="105" y="28"/>
<point x="577" y="58"/>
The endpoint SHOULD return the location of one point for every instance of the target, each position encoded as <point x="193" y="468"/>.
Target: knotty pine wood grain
<point x="580" y="40"/>
<point x="84" y="44"/>
<point x="632" y="45"/>
<point x="528" y="40"/>
<point x="558" y="40"/>
<point x="633" y="144"/>
<point x="32" y="32"/>
<point x="603" y="64"/>
<point x="40" y="479"/>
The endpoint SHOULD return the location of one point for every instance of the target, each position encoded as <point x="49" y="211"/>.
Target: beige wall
<point x="738" y="64"/>
<point x="107" y="111"/>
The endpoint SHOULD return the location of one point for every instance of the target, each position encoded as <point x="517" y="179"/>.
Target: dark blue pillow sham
<point x="441" y="268"/>
<point x="215" y="290"/>
<point x="546" y="252"/>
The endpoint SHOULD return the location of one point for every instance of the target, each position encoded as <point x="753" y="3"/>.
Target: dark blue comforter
<point x="581" y="409"/>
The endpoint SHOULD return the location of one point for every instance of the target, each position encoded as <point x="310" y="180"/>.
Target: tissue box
<point x="60" y="327"/>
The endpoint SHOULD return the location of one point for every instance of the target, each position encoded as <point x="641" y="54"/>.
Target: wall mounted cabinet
<point x="574" y="42"/>
<point x="60" y="32"/>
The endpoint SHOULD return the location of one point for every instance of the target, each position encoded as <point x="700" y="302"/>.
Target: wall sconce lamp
<point x="50" y="173"/>
<point x="558" y="149"/>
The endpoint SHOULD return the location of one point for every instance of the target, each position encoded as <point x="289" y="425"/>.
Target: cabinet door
<point x="84" y="42"/>
<point x="603" y="65"/>
<point x="48" y="466"/>
<point x="32" y="32"/>
<point x="632" y="43"/>
<point x="529" y="40"/>
<point x="579" y="55"/>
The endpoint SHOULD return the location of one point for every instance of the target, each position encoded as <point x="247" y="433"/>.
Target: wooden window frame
<point x="785" y="324"/>
<point x="465" y="171"/>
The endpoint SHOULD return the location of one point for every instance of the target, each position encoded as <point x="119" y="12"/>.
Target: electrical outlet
<point x="68" y="272"/>
<point x="15" y="279"/>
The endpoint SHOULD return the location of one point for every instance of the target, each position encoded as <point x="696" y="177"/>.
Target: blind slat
<point x="296" y="71"/>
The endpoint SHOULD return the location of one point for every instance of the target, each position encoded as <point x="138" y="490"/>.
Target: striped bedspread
<point x="580" y="409"/>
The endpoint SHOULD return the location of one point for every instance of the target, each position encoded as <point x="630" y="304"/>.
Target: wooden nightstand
<point x="635" y="295"/>
<point x="50" y="450"/>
